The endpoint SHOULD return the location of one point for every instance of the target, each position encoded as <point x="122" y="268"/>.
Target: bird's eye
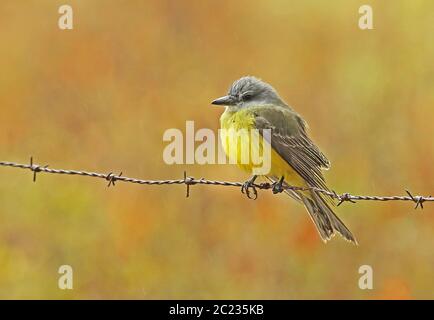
<point x="247" y="96"/>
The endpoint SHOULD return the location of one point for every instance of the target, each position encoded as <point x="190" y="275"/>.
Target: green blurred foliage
<point x="99" y="98"/>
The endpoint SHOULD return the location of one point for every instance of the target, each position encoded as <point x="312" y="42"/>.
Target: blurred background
<point x="100" y="96"/>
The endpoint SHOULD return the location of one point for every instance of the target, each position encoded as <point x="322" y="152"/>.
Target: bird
<point x="252" y="104"/>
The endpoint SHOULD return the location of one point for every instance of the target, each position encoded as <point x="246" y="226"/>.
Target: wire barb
<point x="35" y="168"/>
<point x="189" y="181"/>
<point x="343" y="197"/>
<point x="111" y="178"/>
<point x="419" y="200"/>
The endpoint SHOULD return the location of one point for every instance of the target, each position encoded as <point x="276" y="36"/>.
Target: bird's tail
<point x="324" y="218"/>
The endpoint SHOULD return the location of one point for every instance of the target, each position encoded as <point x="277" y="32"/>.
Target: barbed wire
<point x="189" y="181"/>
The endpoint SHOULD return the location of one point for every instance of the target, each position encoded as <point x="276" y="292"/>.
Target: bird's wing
<point x="289" y="139"/>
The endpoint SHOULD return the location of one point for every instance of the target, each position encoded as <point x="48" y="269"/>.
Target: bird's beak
<point x="224" y="101"/>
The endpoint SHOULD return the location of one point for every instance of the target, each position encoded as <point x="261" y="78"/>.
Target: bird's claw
<point x="278" y="186"/>
<point x="250" y="185"/>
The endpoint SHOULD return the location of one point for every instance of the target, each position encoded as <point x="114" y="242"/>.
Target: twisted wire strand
<point x="189" y="181"/>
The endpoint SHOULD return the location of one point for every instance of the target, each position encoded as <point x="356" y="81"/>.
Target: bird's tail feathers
<point x="324" y="218"/>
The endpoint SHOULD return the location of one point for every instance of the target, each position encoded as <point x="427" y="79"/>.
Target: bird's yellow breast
<point x="242" y="119"/>
<point x="237" y="131"/>
<point x="236" y="137"/>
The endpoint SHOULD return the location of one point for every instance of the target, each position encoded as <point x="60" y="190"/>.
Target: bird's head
<point x="250" y="91"/>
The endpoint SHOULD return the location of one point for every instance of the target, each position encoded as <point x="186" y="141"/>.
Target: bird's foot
<point x="248" y="186"/>
<point x="278" y="186"/>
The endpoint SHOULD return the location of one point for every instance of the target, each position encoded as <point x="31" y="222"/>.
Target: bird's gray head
<point x="249" y="91"/>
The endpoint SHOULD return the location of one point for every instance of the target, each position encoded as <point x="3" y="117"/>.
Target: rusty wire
<point x="189" y="181"/>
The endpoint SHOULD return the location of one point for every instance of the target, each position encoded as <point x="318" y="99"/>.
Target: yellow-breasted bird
<point x="295" y="159"/>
